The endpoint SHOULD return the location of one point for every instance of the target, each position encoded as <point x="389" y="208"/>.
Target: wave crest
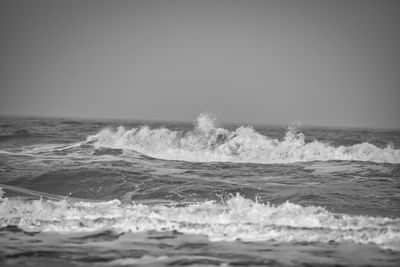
<point x="208" y="143"/>
<point x="237" y="218"/>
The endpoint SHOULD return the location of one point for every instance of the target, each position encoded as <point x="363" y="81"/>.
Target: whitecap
<point x="209" y="143"/>
<point x="236" y="218"/>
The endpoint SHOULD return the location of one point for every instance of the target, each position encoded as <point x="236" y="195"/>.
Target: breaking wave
<point x="208" y="143"/>
<point x="236" y="218"/>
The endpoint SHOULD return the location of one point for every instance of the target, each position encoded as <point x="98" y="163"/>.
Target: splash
<point x="208" y="143"/>
<point x="236" y="218"/>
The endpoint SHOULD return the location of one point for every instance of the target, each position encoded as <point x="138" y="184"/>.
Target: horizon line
<point x="228" y="123"/>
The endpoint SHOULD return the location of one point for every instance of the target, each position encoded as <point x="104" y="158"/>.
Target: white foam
<point x="137" y="261"/>
<point x="207" y="143"/>
<point x="237" y="218"/>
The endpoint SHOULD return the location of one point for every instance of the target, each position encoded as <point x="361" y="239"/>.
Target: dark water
<point x="174" y="194"/>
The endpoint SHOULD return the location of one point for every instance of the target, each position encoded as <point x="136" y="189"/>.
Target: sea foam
<point x="236" y="218"/>
<point x="209" y="143"/>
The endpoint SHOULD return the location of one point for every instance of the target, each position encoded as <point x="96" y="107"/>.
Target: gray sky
<point x="334" y="63"/>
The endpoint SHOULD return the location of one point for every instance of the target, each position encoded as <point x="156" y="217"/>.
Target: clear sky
<point x="331" y="63"/>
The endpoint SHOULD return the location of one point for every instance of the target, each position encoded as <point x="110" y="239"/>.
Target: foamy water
<point x="237" y="219"/>
<point x="207" y="143"/>
<point x="170" y="194"/>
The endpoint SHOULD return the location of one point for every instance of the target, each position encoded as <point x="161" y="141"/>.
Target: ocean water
<point x="115" y="193"/>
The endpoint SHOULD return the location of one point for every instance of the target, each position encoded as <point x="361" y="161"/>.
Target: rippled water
<point x="156" y="194"/>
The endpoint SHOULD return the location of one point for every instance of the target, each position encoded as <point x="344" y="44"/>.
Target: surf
<point x="237" y="218"/>
<point x="208" y="143"/>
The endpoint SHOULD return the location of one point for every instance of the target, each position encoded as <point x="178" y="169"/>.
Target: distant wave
<point x="237" y="218"/>
<point x="23" y="133"/>
<point x="208" y="143"/>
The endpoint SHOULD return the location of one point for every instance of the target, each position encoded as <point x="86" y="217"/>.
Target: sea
<point x="146" y="193"/>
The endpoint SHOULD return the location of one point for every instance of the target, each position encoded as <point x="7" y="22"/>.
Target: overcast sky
<point x="332" y="63"/>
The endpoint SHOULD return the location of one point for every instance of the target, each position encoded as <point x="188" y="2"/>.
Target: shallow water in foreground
<point x="77" y="193"/>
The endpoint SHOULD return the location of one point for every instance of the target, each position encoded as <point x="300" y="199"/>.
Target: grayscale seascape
<point x="161" y="194"/>
<point x="199" y="133"/>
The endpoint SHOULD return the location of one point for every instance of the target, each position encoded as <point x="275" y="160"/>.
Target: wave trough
<point x="208" y="143"/>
